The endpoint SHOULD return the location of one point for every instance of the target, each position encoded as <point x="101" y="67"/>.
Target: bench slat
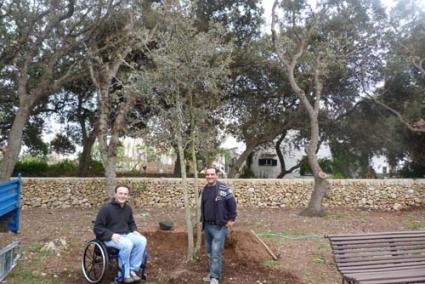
<point x="395" y="281"/>
<point x="375" y="267"/>
<point x="353" y="255"/>
<point x="376" y="234"/>
<point x="369" y="247"/>
<point x="379" y="240"/>
<point x="388" y="259"/>
<point x="378" y="268"/>
<point x="388" y="275"/>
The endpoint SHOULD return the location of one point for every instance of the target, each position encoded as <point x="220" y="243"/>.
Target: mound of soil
<point x="243" y="260"/>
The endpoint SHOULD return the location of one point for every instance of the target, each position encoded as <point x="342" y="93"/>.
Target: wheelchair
<point x="98" y="259"/>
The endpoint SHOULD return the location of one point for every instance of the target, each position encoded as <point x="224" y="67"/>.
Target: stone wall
<point x="388" y="194"/>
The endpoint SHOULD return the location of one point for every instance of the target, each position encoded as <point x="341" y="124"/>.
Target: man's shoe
<point x="128" y="280"/>
<point x="135" y="277"/>
<point x="206" y="278"/>
<point x="213" y="281"/>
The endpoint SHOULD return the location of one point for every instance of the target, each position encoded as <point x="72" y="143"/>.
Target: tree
<point x="259" y="100"/>
<point x="405" y="59"/>
<point x="75" y="108"/>
<point x="117" y="92"/>
<point x="190" y="66"/>
<point x="311" y="43"/>
<point x="40" y="52"/>
<point x="61" y="144"/>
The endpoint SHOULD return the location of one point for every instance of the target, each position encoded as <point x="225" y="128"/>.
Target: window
<point x="267" y="162"/>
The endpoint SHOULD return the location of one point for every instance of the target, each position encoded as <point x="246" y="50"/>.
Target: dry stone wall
<point x="388" y="194"/>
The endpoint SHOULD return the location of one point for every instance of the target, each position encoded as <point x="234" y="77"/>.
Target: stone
<point x="397" y="206"/>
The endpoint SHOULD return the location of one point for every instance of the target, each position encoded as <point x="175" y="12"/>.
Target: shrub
<point x="96" y="168"/>
<point x="63" y="168"/>
<point x="31" y="168"/>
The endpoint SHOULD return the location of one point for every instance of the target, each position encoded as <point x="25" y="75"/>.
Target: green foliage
<point x="61" y="144"/>
<point x="96" y="168"/>
<point x="35" y="167"/>
<point x="325" y="164"/>
<point x="413" y="170"/>
<point x="31" y="273"/>
<point x="32" y="138"/>
<point x="414" y="224"/>
<point x="330" y="166"/>
<point x="31" y="167"/>
<point x="62" y="168"/>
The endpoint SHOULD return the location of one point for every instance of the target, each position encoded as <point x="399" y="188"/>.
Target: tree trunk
<point x="177" y="171"/>
<point x="85" y="158"/>
<point x="111" y="175"/>
<point x="197" y="224"/>
<point x="315" y="208"/>
<point x="239" y="162"/>
<point x="14" y="140"/>
<point x="179" y="140"/>
<point x="321" y="185"/>
<point x="280" y="155"/>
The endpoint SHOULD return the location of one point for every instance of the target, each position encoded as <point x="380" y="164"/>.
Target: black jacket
<point x="112" y="218"/>
<point x="224" y="205"/>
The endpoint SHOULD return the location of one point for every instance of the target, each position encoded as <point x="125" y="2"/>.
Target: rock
<point x="397" y="206"/>
<point x="166" y="225"/>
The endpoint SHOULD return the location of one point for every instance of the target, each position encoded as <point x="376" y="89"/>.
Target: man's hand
<point x="230" y="224"/>
<point x="116" y="238"/>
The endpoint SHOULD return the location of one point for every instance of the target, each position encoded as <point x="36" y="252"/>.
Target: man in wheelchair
<point x="115" y="226"/>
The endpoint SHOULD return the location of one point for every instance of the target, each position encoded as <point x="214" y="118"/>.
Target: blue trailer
<point x="10" y="216"/>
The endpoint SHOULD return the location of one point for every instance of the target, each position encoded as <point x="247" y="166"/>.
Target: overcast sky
<point x="268" y="4"/>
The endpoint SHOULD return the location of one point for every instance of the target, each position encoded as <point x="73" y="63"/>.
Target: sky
<point x="268" y="4"/>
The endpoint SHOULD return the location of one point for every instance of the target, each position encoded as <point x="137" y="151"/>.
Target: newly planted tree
<point x="190" y="69"/>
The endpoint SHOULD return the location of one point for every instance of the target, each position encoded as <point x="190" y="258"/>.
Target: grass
<point x="323" y="247"/>
<point x="318" y="260"/>
<point x="29" y="273"/>
<point x="270" y="263"/>
<point x="287" y="236"/>
<point x="414" y="224"/>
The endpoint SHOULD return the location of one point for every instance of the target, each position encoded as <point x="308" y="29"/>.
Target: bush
<point x="325" y="164"/>
<point x="40" y="168"/>
<point x="247" y="171"/>
<point x="63" y="168"/>
<point x="31" y="168"/>
<point x="96" y="168"/>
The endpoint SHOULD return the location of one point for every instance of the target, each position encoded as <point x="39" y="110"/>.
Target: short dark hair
<point x="212" y="167"/>
<point x="121" y="185"/>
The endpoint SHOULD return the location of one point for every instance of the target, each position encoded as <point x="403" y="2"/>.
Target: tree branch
<point x="417" y="127"/>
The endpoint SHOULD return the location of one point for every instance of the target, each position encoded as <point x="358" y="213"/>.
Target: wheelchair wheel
<point x="95" y="261"/>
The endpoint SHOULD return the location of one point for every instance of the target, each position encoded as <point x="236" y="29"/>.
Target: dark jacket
<point x="225" y="205"/>
<point x="112" y="218"/>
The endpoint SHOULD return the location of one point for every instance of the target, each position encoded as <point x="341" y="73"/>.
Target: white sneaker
<point x="213" y="281"/>
<point x="128" y="280"/>
<point x="135" y="276"/>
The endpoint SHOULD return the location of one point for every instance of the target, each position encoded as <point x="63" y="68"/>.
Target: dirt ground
<point x="304" y="255"/>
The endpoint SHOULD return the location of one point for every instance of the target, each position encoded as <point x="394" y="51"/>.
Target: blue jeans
<point x="131" y="246"/>
<point x="214" y="243"/>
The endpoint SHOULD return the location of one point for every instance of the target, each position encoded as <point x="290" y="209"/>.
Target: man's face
<point x="211" y="176"/>
<point x="121" y="195"/>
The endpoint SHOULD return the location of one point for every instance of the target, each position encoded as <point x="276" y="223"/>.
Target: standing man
<point x="218" y="209"/>
<point x="115" y="226"/>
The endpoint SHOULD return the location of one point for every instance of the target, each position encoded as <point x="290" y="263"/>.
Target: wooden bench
<point x="380" y="258"/>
